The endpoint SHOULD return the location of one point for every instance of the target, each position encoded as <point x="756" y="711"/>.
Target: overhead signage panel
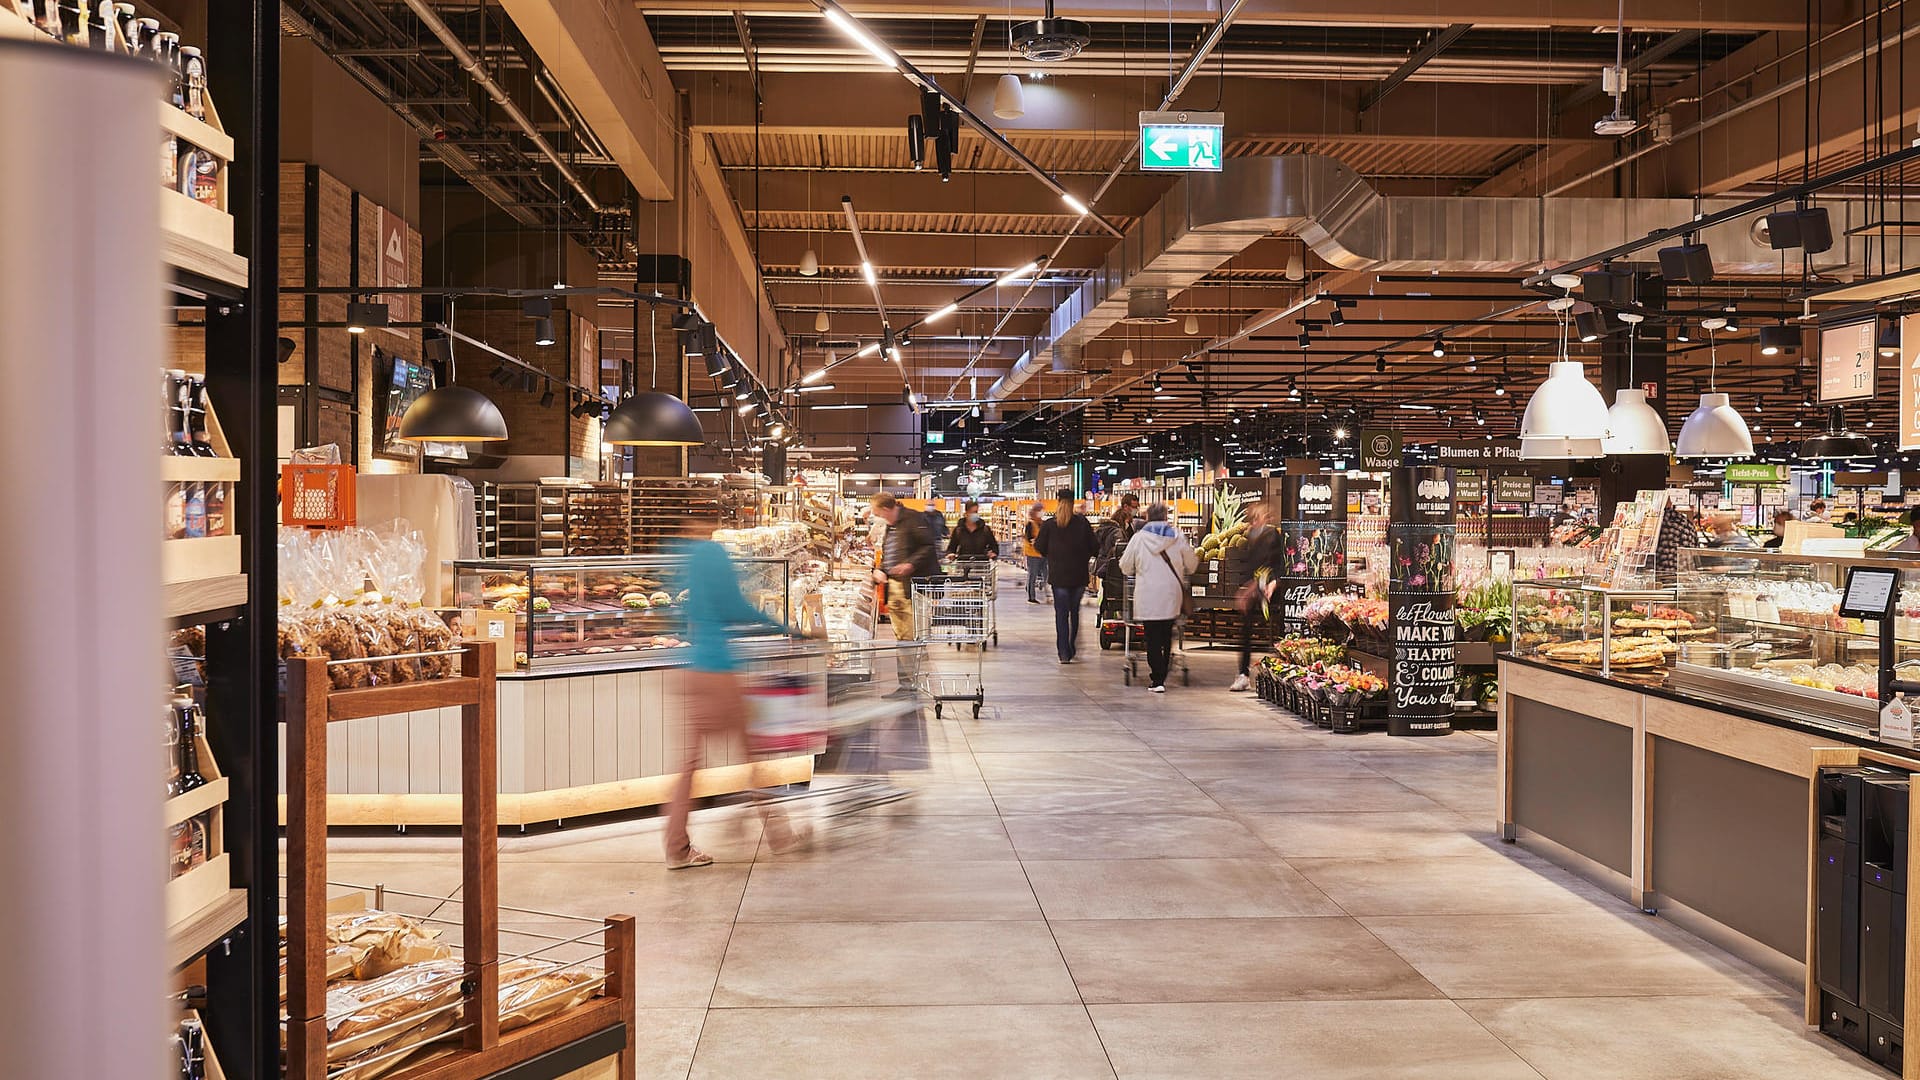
<point x="1182" y="141"/>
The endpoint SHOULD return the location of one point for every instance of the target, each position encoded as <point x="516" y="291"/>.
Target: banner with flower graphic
<point x="1420" y="586"/>
<point x="1313" y="542"/>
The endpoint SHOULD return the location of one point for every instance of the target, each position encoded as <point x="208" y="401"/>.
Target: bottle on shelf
<point x="126" y="27"/>
<point x="197" y="417"/>
<point x="188" y="844"/>
<point x="196" y="511"/>
<point x="173" y="752"/>
<point x="179" y="432"/>
<point x="216" y="509"/>
<point x="141" y="42"/>
<point x="193" y="83"/>
<point x="186" y="718"/>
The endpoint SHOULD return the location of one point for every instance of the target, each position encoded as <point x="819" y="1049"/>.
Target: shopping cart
<point x="838" y="700"/>
<point x="953" y="611"/>
<point x="987" y="572"/>
<point x="1136" y="630"/>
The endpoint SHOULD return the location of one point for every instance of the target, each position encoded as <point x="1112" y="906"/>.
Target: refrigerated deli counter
<point x="590" y="712"/>
<point x="1661" y="741"/>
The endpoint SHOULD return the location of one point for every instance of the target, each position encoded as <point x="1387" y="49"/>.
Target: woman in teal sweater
<point x="715" y="612"/>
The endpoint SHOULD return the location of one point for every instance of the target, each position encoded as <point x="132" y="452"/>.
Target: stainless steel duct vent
<point x="1066" y="357"/>
<point x="1147" y="307"/>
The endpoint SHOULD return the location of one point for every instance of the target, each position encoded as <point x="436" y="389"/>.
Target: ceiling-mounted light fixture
<point x="1473" y="364"/>
<point x="1687" y="263"/>
<point x="1439" y="347"/>
<point x="1305" y="339"/>
<point x="822" y="322"/>
<point x="809" y="263"/>
<point x="1590" y="326"/>
<point x="453" y="413"/>
<point x="361" y="315"/>
<point x="1337" y="317"/>
<point x="1074" y="204"/>
<point x="1633" y="425"/>
<point x="546" y="399"/>
<point x="653" y="419"/>
<point x="1009" y="98"/>
<point x="814" y="376"/>
<point x="686" y="322"/>
<point x="1775" y="340"/>
<point x="1566" y="418"/>
<point x="1714" y="428"/>
<point x="1681" y="333"/>
<point x="1838" y="442"/>
<point x="941" y="314"/>
<point x="860" y="37"/>
<point x="717" y="364"/>
<point x="1193" y="324"/>
<point x="1296" y="267"/>
<point x="543" y="331"/>
<point x="1888" y="342"/>
<point x="1380" y="365"/>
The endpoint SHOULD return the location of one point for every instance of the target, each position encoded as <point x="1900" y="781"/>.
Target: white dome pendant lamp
<point x="1714" y="429"/>
<point x="1633" y="427"/>
<point x="1566" y="419"/>
<point x="1009" y="98"/>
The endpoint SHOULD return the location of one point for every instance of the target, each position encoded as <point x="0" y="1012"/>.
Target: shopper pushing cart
<point x="1158" y="563"/>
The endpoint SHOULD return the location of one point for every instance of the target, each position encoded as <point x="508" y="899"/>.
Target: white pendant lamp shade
<point x="809" y="263"/>
<point x="1126" y="357"/>
<point x="1558" y="448"/>
<point x="1714" y="429"/>
<point x="1633" y="427"/>
<point x="1296" y="267"/>
<point x="1193" y="324"/>
<point x="1009" y="98"/>
<point x="821" y="323"/>
<point x="1566" y="417"/>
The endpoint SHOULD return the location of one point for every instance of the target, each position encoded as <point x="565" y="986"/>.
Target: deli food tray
<point x="1826" y="708"/>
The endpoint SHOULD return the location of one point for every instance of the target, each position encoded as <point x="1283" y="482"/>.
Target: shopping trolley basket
<point x="953" y="611"/>
<point x="1136" y="630"/>
<point x="987" y="573"/>
<point x="830" y="699"/>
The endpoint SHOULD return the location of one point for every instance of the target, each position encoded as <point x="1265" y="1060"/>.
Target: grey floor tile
<point x="956" y="1042"/>
<point x="1478" y="883"/>
<point x="888" y="891"/>
<point x="1617" y="952"/>
<point x="1174" y="889"/>
<point x="664" y="1042"/>
<point x="1281" y="794"/>
<point x="1325" y="1040"/>
<point x="1132" y="836"/>
<point x="913" y="963"/>
<point x="1156" y="960"/>
<point x="1674" y="1038"/>
<point x="1364" y="835"/>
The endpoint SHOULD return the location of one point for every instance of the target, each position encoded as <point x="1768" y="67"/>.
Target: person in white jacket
<point x="1159" y="560"/>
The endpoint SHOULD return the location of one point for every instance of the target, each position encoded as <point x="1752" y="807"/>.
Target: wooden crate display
<point x="482" y="1050"/>
<point x="207" y="884"/>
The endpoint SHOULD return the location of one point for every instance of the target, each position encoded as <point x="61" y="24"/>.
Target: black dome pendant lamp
<point x="653" y="419"/>
<point x="451" y="413"/>
<point x="1837" y="443"/>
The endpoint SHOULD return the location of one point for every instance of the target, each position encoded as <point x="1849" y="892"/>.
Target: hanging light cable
<point x="1633" y="427"/>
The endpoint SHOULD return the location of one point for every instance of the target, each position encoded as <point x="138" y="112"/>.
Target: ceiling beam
<point x="1640" y="14"/>
<point x="1436" y="43"/>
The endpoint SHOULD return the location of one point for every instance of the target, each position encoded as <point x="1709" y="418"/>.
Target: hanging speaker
<point x="1606" y="287"/>
<point x="1783" y="230"/>
<point x="1816" y="229"/>
<point x="1690" y="263"/>
<point x="930" y="113"/>
<point x="943" y="144"/>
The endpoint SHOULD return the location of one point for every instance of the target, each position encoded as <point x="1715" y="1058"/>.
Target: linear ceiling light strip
<point x="852" y="27"/>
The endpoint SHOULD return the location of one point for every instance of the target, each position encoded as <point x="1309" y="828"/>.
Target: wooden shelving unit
<point x="483" y="1050"/>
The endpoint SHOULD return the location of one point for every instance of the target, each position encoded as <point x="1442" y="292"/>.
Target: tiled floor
<point x="1096" y="882"/>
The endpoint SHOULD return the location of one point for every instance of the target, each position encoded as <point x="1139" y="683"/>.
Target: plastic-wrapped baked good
<point x="532" y="990"/>
<point x="403" y="636"/>
<point x="336" y="634"/>
<point x="434" y="635"/>
<point x="359" y="1013"/>
<point x="376" y="640"/>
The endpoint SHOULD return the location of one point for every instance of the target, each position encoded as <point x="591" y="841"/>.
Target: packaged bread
<point x="363" y="1015"/>
<point x="532" y="990"/>
<point x="385" y="1057"/>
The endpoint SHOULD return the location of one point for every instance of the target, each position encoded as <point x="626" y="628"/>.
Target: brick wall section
<point x="532" y="430"/>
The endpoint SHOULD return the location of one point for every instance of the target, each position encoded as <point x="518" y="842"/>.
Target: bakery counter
<point x="1686" y="807"/>
<point x="593" y="739"/>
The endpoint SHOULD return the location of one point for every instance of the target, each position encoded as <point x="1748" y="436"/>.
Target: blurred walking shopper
<point x="1160" y="561"/>
<point x="907" y="552"/>
<point x="1111" y="538"/>
<point x="1255" y="598"/>
<point x="714" y="613"/>
<point x="974" y="539"/>
<point x="1036" y="562"/>
<point x="936" y="526"/>
<point x="1067" y="542"/>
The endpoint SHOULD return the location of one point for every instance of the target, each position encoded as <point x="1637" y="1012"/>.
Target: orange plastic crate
<point x="317" y="496"/>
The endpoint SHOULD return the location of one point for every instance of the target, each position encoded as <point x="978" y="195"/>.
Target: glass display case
<point x="569" y="612"/>
<point x="1782" y="644"/>
<point x="1612" y="631"/>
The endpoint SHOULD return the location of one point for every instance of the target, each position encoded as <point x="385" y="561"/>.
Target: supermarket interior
<point x="846" y="539"/>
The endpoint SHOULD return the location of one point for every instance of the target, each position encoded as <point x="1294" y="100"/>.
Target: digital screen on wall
<point x="407" y="380"/>
<point x="1847" y="360"/>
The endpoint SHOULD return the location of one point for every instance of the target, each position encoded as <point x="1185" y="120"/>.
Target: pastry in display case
<point x="1783" y="644"/>
<point x="617" y="608"/>
<point x="1611" y="631"/>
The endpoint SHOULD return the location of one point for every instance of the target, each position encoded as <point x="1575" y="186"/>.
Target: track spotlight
<point x="1688" y="262"/>
<point x="503" y="373"/>
<point x="716" y="364"/>
<point x="1775" y="340"/>
<point x="1589" y="325"/>
<point x="1499" y="388"/>
<point x="1888" y="343"/>
<point x="686" y="322"/>
<point x="1305" y="339"/>
<point x="546" y="399"/>
<point x="916" y="142"/>
<point x="361" y="315"/>
<point x="1338" y="317"/>
<point x="543" y="331"/>
<point x="529" y="382"/>
<point x="1380" y="365"/>
<point x="537" y="307"/>
<point x="1473" y="364"/>
<point x="1682" y="333"/>
<point x="1439" y="348"/>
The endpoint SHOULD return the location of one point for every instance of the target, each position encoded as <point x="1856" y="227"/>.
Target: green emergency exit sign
<point x="1182" y="141"/>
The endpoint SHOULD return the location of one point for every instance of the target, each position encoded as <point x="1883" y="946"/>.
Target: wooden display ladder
<point x="311" y="705"/>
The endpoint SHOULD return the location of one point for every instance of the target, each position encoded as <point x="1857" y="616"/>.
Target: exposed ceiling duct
<point x="1147" y="307"/>
<point x="1208" y="218"/>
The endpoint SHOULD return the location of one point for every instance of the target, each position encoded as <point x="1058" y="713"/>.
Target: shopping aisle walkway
<point x="1099" y="882"/>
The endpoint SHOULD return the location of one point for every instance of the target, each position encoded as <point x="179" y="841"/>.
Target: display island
<point x="589" y="707"/>
<point x="1663" y="741"/>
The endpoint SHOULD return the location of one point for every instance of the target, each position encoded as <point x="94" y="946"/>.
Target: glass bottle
<point x="173" y="753"/>
<point x="186" y="715"/>
<point x="197" y="417"/>
<point x="193" y="82"/>
<point x="126" y="24"/>
<point x="216" y="502"/>
<point x="178" y="438"/>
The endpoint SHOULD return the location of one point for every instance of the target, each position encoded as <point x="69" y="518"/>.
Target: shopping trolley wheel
<point x="1186" y="677"/>
<point x="1126" y="674"/>
<point x="1106" y="643"/>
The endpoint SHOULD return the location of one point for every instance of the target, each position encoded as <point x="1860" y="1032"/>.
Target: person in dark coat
<point x="974" y="538"/>
<point x="908" y="552"/>
<point x="1068" y="543"/>
<point x="936" y="525"/>
<point x="1111" y="541"/>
